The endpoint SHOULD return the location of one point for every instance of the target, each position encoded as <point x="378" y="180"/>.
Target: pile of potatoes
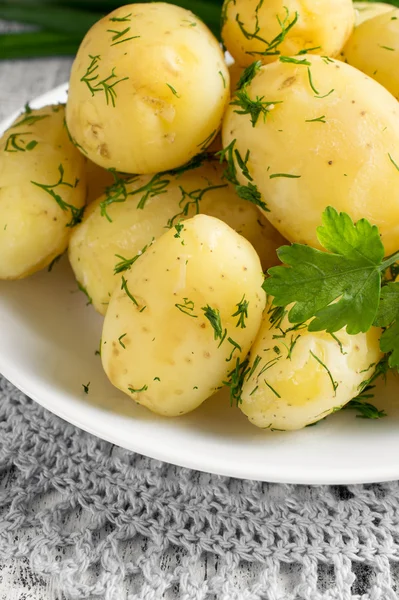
<point x="172" y="179"/>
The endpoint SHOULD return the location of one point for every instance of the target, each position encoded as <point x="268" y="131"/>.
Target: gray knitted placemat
<point x="110" y="524"/>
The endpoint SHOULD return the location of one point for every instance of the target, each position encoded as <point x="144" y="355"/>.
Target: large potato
<point x="329" y="138"/>
<point x="96" y="241"/>
<point x="148" y="89"/>
<point x="158" y="345"/>
<point x="42" y="191"/>
<point x="368" y="10"/>
<point x="254" y="29"/>
<point x="300" y="377"/>
<point x="374" y="49"/>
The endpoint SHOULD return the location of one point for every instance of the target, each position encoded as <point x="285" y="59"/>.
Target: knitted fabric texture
<point x="124" y="527"/>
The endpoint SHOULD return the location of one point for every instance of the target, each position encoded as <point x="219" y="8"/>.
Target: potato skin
<point x="322" y="25"/>
<point x="33" y="227"/>
<point x="172" y="356"/>
<point x="368" y="10"/>
<point x="374" y="49"/>
<point x="171" y="87"/>
<point x="303" y="390"/>
<point x="98" y="179"/>
<point x="96" y="241"/>
<point x="301" y="164"/>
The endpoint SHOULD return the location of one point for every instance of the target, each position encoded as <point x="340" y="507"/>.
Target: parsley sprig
<point x="342" y="287"/>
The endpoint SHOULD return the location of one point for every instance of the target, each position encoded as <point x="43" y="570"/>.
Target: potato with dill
<point x="368" y="10"/>
<point x="42" y="191"/>
<point x="374" y="49"/>
<point x="312" y="132"/>
<point x="191" y="305"/>
<point x="135" y="211"/>
<point x="254" y="29"/>
<point x="148" y="89"/>
<point x="297" y="377"/>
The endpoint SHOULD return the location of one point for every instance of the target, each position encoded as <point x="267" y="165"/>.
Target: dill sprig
<point x="242" y="312"/>
<point x="248" y="192"/>
<point x="76" y="213"/>
<point x="125" y="263"/>
<point x="248" y="74"/>
<point x="214" y="318"/>
<point x="333" y="382"/>
<point x="190" y="199"/>
<point x="187" y="308"/>
<point x="253" y="108"/>
<point x="16" y="143"/>
<point x="272" y="47"/>
<point x="125" y="288"/>
<point x="91" y="76"/>
<point x="236" y="379"/>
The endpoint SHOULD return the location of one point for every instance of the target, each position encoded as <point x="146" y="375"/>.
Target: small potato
<point x="97" y="241"/>
<point x="329" y="138"/>
<point x="259" y="30"/>
<point x="42" y="191"/>
<point x="304" y="376"/>
<point x="374" y="49"/>
<point x="158" y="345"/>
<point x="98" y="179"/>
<point x="148" y="89"/>
<point x="368" y="10"/>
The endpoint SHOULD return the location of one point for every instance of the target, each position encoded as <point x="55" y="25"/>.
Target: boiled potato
<point x="96" y="242"/>
<point x="374" y="49"/>
<point x="258" y="30"/>
<point x="42" y="191"/>
<point x="148" y="89"/>
<point x="368" y="10"/>
<point x="158" y="345"/>
<point x="298" y="377"/>
<point x="98" y="180"/>
<point x="330" y="138"/>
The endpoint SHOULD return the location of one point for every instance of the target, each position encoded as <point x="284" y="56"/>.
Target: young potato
<point x="368" y="10"/>
<point x="374" y="49"/>
<point x="96" y="242"/>
<point x="302" y="377"/>
<point x="258" y="30"/>
<point x="330" y="138"/>
<point x="98" y="179"/>
<point x="191" y="305"/>
<point x="148" y="89"/>
<point x="42" y="191"/>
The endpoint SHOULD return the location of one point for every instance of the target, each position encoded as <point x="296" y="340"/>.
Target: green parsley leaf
<point x="388" y="316"/>
<point x="340" y="287"/>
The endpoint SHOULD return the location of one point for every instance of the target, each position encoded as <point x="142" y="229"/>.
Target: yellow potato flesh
<point x="251" y="28"/>
<point x="368" y="10"/>
<point x="96" y="241"/>
<point x="310" y="151"/>
<point x="304" y="376"/>
<point x="33" y="227"/>
<point x="170" y="89"/>
<point x="374" y="49"/>
<point x="169" y="357"/>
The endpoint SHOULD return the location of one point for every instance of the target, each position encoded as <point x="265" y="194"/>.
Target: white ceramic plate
<point x="48" y="339"/>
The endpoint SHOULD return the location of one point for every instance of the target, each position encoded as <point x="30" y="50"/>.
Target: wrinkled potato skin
<point x="33" y="228"/>
<point x="303" y="384"/>
<point x="322" y="24"/>
<point x="214" y="266"/>
<point x="368" y="10"/>
<point x="96" y="241"/>
<point x="150" y="128"/>
<point x="343" y="162"/>
<point x="374" y="49"/>
<point x="98" y="179"/>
